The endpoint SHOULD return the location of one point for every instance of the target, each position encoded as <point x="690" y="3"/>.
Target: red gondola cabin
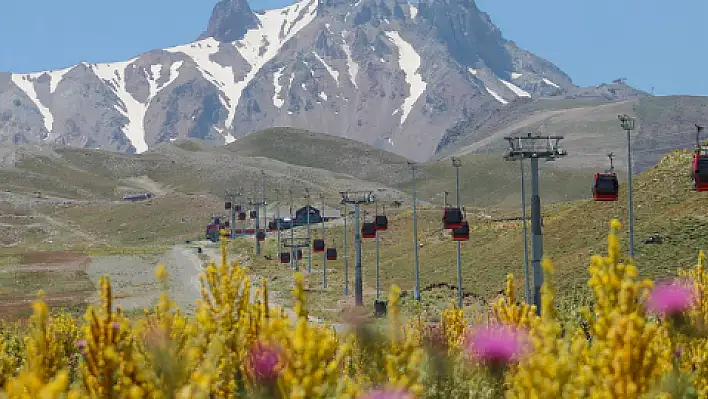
<point x="381" y="222"/>
<point x="285" y="257"/>
<point x="700" y="172"/>
<point x="331" y="253"/>
<point x="260" y="236"/>
<point x="242" y="216"/>
<point x="272" y="226"/>
<point x="318" y="245"/>
<point x="461" y="233"/>
<point x="368" y="230"/>
<point x="605" y="187"/>
<point x="452" y="218"/>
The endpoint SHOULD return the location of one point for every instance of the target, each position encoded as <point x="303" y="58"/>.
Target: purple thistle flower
<point x="497" y="345"/>
<point x="81" y="344"/>
<point x="264" y="361"/>
<point x="387" y="394"/>
<point x="671" y="298"/>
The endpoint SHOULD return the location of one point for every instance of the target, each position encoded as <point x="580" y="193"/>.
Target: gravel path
<point x="135" y="286"/>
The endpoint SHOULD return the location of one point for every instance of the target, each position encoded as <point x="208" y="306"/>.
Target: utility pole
<point x="265" y="204"/>
<point x="324" y="254"/>
<point x="309" y="239"/>
<point x="277" y="217"/>
<point x="537" y="147"/>
<point x="457" y="162"/>
<point x="346" y="253"/>
<point x="258" y="205"/>
<point x="416" y="290"/>
<point x="357" y="198"/>
<point x="293" y="264"/>
<point x="628" y="124"/>
<point x="378" y="289"/>
<point x="527" y="281"/>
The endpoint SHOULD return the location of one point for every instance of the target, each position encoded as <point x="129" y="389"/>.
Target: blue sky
<point x="653" y="43"/>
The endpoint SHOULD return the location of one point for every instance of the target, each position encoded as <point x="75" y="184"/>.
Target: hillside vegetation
<point x="664" y="204"/>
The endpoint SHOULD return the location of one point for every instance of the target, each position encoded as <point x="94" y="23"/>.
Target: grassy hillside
<point x="664" y="204"/>
<point x="315" y="150"/>
<point x="591" y="128"/>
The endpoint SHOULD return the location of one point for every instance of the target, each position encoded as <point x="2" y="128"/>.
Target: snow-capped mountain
<point x="385" y="72"/>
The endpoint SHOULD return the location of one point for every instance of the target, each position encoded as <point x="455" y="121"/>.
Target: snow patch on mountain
<point x="414" y="10"/>
<point x="113" y="74"/>
<point x="352" y="66"/>
<point x="55" y="77"/>
<point x="548" y="82"/>
<point x="496" y="96"/>
<point x="516" y="75"/>
<point x="277" y="101"/>
<point x="26" y="84"/>
<point x="516" y="89"/>
<point x="332" y="72"/>
<point x="257" y="47"/>
<point x="409" y="62"/>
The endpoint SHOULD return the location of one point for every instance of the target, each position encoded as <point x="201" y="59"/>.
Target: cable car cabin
<point x="331" y="253"/>
<point x="368" y="230"/>
<point x="605" y="187"/>
<point x="227" y="205"/>
<point x="242" y="216"/>
<point x="700" y="172"/>
<point x="285" y="257"/>
<point x="227" y="224"/>
<point x="318" y="245"/>
<point x="237" y="208"/>
<point x="272" y="226"/>
<point x="254" y="214"/>
<point x="452" y="218"/>
<point x="461" y="233"/>
<point x="298" y="254"/>
<point x="260" y="236"/>
<point x="381" y="222"/>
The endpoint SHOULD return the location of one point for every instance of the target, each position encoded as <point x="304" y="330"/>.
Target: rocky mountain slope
<point x="384" y="72"/>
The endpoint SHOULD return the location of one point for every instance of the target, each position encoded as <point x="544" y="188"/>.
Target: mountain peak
<point x="230" y="20"/>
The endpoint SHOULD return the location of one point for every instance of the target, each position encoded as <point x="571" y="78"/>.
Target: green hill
<point x="664" y="204"/>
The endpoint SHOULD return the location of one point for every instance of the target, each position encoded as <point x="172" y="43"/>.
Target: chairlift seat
<point x="461" y="233"/>
<point x="452" y="218"/>
<point x="331" y="253"/>
<point x="381" y="222"/>
<point x="368" y="230"/>
<point x="318" y="245"/>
